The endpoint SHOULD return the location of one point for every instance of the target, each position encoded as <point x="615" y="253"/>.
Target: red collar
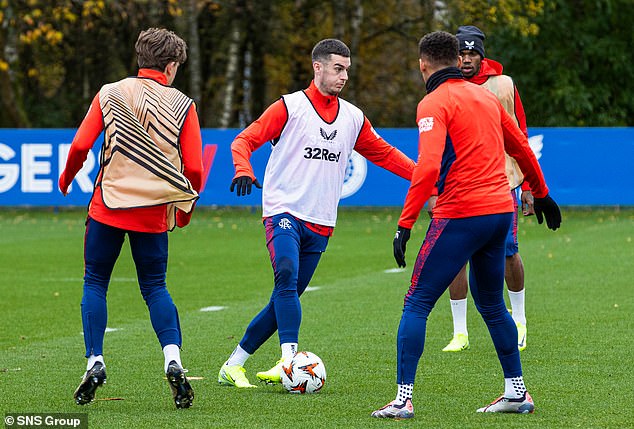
<point x="488" y="67"/>
<point x="153" y="74"/>
<point x="319" y="99"/>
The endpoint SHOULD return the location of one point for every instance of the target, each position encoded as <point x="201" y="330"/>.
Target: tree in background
<point x="576" y="70"/>
<point x="567" y="57"/>
<point x="57" y="54"/>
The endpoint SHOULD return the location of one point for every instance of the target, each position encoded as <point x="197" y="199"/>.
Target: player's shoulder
<point x="502" y="80"/>
<point x="294" y="95"/>
<point x="446" y="94"/>
<point x="504" y="77"/>
<point x="295" y="100"/>
<point x="348" y="105"/>
<point x="111" y="85"/>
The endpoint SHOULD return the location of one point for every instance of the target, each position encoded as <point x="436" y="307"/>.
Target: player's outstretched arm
<point x="84" y="139"/>
<point x="268" y="127"/>
<point x="371" y="146"/>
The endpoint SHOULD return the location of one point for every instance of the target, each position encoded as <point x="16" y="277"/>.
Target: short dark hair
<point x="439" y="48"/>
<point x="326" y="47"/>
<point x="157" y="47"/>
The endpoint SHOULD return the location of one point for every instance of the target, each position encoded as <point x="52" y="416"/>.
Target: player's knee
<point x="493" y="312"/>
<point x="154" y="291"/>
<point x="285" y="272"/>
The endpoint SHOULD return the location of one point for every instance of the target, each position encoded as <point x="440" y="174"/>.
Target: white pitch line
<point x="394" y="270"/>
<point x="107" y="330"/>
<point x="312" y="288"/>
<point x="213" y="308"/>
<point x="80" y="280"/>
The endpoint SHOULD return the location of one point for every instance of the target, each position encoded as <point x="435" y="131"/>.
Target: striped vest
<point x="141" y="164"/>
<point x="504" y="89"/>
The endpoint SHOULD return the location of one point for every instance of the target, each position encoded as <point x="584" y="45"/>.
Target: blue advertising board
<point x="582" y="166"/>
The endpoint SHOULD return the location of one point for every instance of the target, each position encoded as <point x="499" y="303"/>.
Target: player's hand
<point x="547" y="208"/>
<point x="400" y="243"/>
<point x="431" y="203"/>
<point x="243" y="184"/>
<point x="528" y="203"/>
<point x="63" y="186"/>
<point x="182" y="218"/>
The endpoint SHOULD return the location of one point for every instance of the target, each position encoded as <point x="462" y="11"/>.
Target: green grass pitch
<point x="578" y="365"/>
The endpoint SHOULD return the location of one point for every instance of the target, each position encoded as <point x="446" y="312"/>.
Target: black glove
<point x="243" y="185"/>
<point x="400" y="243"/>
<point x="547" y="208"/>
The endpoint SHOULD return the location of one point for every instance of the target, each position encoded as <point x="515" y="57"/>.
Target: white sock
<point x="92" y="359"/>
<point x="514" y="387"/>
<point x="459" y="313"/>
<point x="517" y="306"/>
<point x="238" y="357"/>
<point x="172" y="352"/>
<point x="404" y="393"/>
<point x="289" y="350"/>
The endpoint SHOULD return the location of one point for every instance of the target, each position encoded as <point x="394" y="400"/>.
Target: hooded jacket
<point x="491" y="77"/>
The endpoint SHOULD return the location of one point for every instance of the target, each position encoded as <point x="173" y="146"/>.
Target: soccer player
<point x="312" y="133"/>
<point x="148" y="181"/>
<point x="488" y="73"/>
<point x="463" y="134"/>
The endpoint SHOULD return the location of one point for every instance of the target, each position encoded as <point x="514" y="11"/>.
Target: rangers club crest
<point x="285" y="223"/>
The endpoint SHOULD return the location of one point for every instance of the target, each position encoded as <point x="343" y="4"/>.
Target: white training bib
<point x="305" y="172"/>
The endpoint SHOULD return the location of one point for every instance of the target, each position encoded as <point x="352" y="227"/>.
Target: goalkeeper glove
<point x="400" y="243"/>
<point x="547" y="208"/>
<point x="243" y="184"/>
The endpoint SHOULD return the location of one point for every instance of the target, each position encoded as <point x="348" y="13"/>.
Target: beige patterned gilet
<point x="141" y="158"/>
<point x="504" y="89"/>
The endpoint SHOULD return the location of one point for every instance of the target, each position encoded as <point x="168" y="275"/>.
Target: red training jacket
<point x="463" y="133"/>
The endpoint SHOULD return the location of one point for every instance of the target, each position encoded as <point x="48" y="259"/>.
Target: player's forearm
<point x="191" y="149"/>
<point x="241" y="150"/>
<point x="76" y="158"/>
<point x="393" y="160"/>
<point x="371" y="146"/>
<point x="520" y="114"/>
<point x="414" y="203"/>
<point x="533" y="174"/>
<point x="516" y="145"/>
<point x="84" y="139"/>
<point x="421" y="188"/>
<point x="266" y="128"/>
